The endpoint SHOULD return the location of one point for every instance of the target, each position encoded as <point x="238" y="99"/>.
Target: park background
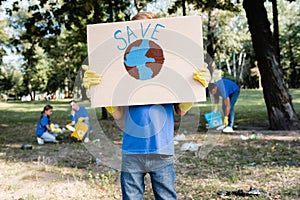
<point x="255" y="43"/>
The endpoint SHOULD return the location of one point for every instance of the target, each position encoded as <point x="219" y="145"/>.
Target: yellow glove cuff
<point x="215" y="107"/>
<point x="111" y="109"/>
<point x="199" y="77"/>
<point x="51" y="126"/>
<point x="185" y="106"/>
<point x="226" y="120"/>
<point x="80" y="119"/>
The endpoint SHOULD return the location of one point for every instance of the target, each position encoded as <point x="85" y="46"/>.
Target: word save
<point x="144" y="32"/>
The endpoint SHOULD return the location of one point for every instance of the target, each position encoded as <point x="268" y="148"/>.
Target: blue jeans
<point x="48" y="137"/>
<point x="161" y="170"/>
<point x="90" y="128"/>
<point x="233" y="98"/>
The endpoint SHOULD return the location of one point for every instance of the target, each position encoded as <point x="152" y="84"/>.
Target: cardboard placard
<point x="146" y="61"/>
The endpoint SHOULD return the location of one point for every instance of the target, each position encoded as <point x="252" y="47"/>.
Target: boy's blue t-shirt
<point x="149" y="129"/>
<point x="226" y="87"/>
<point x="82" y="112"/>
<point x="41" y="125"/>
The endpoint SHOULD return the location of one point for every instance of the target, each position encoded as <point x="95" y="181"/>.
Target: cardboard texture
<point x="146" y="61"/>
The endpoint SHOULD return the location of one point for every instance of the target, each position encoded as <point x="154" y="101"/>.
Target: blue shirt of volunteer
<point x="82" y="112"/>
<point x="149" y="129"/>
<point x="226" y="87"/>
<point x="41" y="125"/>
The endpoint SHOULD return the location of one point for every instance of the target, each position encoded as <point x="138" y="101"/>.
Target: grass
<point x="270" y="162"/>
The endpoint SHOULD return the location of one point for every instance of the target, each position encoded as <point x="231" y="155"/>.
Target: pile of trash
<point x="187" y="146"/>
<point x="251" y="192"/>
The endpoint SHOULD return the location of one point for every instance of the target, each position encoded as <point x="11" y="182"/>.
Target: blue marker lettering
<point x="144" y="33"/>
<point x="120" y="38"/>
<point x="155" y="30"/>
<point x="129" y="33"/>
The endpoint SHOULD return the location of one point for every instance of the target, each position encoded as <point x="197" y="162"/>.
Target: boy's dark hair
<point x="211" y="86"/>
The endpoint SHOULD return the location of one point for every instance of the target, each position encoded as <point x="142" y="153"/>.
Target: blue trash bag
<point x="214" y="119"/>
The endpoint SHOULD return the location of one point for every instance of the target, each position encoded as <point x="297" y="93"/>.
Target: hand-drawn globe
<point x="143" y="59"/>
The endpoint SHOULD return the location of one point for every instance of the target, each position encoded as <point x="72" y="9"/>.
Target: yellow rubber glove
<point x="202" y="75"/>
<point x="185" y="106"/>
<point x="111" y="109"/>
<point x="90" y="77"/>
<point x="70" y="127"/>
<point x="215" y="108"/>
<point x="80" y="119"/>
<point x="55" y="129"/>
<point x="226" y="121"/>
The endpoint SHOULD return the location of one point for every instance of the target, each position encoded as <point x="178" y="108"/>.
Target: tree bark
<point x="183" y="8"/>
<point x="211" y="25"/>
<point x="281" y="112"/>
<point x="276" y="28"/>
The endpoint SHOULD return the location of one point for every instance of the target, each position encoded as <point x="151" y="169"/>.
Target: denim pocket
<point x="166" y="157"/>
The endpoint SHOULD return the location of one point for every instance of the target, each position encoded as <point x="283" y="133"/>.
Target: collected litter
<point x="79" y="131"/>
<point x="96" y="140"/>
<point x="252" y="192"/>
<point x="26" y="147"/>
<point x="190" y="146"/>
<point x="292" y="163"/>
<point x="214" y="119"/>
<point x="179" y="137"/>
<point x="98" y="161"/>
<point x="252" y="137"/>
<point x="244" y="137"/>
<point x="252" y="164"/>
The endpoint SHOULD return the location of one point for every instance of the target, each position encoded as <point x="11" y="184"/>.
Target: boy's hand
<point x="81" y="119"/>
<point x="185" y="106"/>
<point x="90" y="77"/>
<point x="202" y="75"/>
<point x="111" y="109"/>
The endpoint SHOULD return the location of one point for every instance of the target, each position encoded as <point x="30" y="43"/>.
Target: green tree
<point x="3" y="38"/>
<point x="289" y="23"/>
<point x="212" y="8"/>
<point x="281" y="112"/>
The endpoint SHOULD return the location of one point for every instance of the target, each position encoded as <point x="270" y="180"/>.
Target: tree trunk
<point x="183" y="8"/>
<point x="281" y="112"/>
<point x="294" y="77"/>
<point x="82" y="89"/>
<point x="104" y="113"/>
<point x="276" y="28"/>
<point x="210" y="57"/>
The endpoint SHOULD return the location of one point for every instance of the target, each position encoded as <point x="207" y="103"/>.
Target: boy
<point x="148" y="142"/>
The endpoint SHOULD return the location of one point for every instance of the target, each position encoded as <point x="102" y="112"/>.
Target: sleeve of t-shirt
<point x="221" y="89"/>
<point x="44" y="121"/>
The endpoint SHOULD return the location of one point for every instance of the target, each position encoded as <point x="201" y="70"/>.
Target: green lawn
<point x="270" y="162"/>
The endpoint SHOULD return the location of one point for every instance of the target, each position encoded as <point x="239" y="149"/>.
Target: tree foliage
<point x="281" y="113"/>
<point x="204" y="5"/>
<point x="289" y="40"/>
